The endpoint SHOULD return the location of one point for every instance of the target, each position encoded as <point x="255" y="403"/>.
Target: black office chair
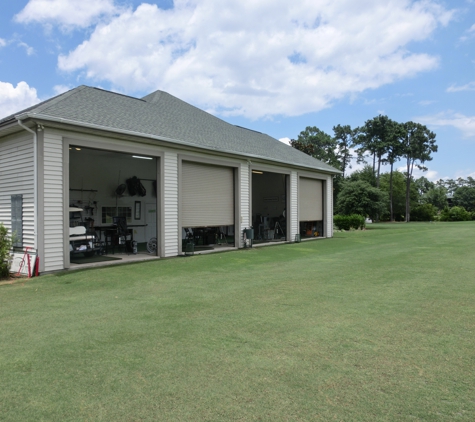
<point x="122" y="232"/>
<point x="110" y="240"/>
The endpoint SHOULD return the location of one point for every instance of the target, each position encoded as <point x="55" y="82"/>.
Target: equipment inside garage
<point x="269" y="202"/>
<point x="113" y="204"/>
<point x="207" y="206"/>
<point x="310" y="207"/>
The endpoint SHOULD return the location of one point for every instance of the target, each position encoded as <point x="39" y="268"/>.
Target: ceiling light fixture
<point x="143" y="158"/>
<point x="257" y="172"/>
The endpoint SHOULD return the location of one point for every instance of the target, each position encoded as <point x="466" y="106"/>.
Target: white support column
<point x="170" y="205"/>
<point x="329" y="206"/>
<point x="245" y="202"/>
<point x="294" y="201"/>
<point x="51" y="203"/>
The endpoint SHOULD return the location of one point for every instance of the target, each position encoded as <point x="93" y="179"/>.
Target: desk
<point x="112" y="237"/>
<point x="100" y="229"/>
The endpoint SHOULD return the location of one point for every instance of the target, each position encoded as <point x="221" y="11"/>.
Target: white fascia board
<point x="165" y="139"/>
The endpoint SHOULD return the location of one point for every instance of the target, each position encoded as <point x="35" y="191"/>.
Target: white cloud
<point x="470" y="34"/>
<point x="285" y="141"/>
<point x="431" y="175"/>
<point x="29" y="50"/>
<point x="59" y="89"/>
<point x="467" y="87"/>
<point x="14" y="99"/>
<point x="66" y="13"/>
<point x="263" y="58"/>
<point x="466" y="124"/>
<point x="463" y="174"/>
<point x="355" y="166"/>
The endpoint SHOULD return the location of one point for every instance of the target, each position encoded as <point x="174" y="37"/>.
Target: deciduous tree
<point x="366" y="174"/>
<point x="423" y="185"/>
<point x="318" y="144"/>
<point x="358" y="197"/>
<point x="437" y="196"/>
<point x="464" y="196"/>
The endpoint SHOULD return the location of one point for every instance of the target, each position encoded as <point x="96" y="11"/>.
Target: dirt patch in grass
<point x="12" y="279"/>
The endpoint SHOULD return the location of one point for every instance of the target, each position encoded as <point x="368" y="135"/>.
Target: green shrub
<point x="423" y="212"/>
<point x="455" y="214"/>
<point x="347" y="222"/>
<point x="361" y="198"/>
<point x="5" y="245"/>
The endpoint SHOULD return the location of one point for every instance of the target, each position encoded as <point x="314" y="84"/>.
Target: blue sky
<point x="271" y="65"/>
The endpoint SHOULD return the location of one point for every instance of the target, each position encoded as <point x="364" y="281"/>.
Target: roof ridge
<point x="252" y="130"/>
<point x="156" y="96"/>
<point x="44" y="105"/>
<point x="153" y="97"/>
<point x="118" y="93"/>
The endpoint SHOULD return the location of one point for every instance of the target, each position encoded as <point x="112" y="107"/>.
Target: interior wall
<point x="103" y="172"/>
<point x="268" y="194"/>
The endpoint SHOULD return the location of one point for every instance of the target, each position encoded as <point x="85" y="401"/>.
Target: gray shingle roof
<point x="162" y="116"/>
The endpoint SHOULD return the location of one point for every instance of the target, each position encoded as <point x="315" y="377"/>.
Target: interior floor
<point x="104" y="260"/>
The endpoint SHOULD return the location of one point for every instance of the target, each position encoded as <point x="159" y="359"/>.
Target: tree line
<point x="391" y="195"/>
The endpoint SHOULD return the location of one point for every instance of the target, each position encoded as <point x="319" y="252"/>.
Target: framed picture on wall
<point x="137" y="210"/>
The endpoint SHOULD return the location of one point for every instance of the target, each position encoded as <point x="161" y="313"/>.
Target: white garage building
<point x="170" y="171"/>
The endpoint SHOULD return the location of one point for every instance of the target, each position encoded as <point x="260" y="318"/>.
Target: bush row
<point x="347" y="222"/>
<point x="456" y="214"/>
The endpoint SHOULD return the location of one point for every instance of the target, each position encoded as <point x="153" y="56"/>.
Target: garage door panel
<point x="207" y="195"/>
<point x="310" y="199"/>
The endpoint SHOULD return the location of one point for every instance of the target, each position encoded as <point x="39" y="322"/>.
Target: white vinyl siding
<point x="310" y="199"/>
<point x="244" y="203"/>
<point x="170" y="204"/>
<point x="53" y="202"/>
<point x="329" y="207"/>
<point x="207" y="197"/>
<point x="293" y="212"/>
<point x="17" y="178"/>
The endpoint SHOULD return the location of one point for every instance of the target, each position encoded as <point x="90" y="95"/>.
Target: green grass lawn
<point x="375" y="325"/>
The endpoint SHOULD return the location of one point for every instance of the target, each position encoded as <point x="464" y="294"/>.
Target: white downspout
<point x="35" y="183"/>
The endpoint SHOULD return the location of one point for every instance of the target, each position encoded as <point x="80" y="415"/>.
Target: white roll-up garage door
<point x="207" y="195"/>
<point x="310" y="199"/>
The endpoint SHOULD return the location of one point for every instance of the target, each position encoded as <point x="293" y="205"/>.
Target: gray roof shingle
<point x="162" y="116"/>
